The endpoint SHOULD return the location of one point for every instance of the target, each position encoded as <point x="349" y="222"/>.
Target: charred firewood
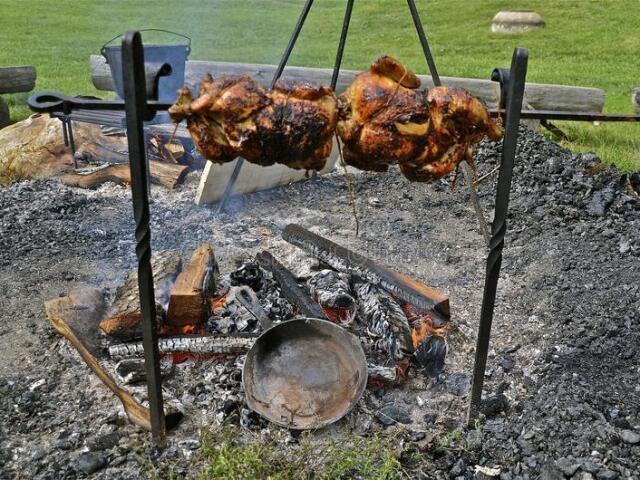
<point x="430" y="355"/>
<point x="289" y="286"/>
<point x="384" y="319"/>
<point x="209" y="344"/>
<point x="332" y="291"/>
<point x="248" y="274"/>
<point x="344" y="260"/>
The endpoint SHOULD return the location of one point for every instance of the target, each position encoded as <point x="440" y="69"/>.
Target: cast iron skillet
<point x="303" y="373"/>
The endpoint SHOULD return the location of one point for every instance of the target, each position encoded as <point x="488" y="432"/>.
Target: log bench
<point x="14" y="80"/>
<point x="539" y="95"/>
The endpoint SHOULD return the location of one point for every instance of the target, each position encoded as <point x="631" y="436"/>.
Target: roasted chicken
<point x="458" y="122"/>
<point x="234" y="116"/>
<point x="383" y="118"/>
<point x="297" y="126"/>
<point x="221" y="120"/>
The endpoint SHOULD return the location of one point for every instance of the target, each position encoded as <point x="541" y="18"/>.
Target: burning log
<point x="204" y="345"/>
<point x="76" y="318"/>
<point x="289" y="286"/>
<point x="430" y="344"/>
<point x="384" y="319"/>
<point x="344" y="260"/>
<point x="188" y="300"/>
<point x="331" y="290"/>
<point x="124" y="318"/>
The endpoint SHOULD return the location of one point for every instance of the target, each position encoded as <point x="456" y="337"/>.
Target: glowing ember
<point x="423" y="327"/>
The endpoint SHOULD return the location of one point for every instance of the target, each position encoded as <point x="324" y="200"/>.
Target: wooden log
<point x="188" y="301"/>
<point x="166" y="174"/>
<point x="76" y="317"/>
<point x="17" y="79"/>
<point x="34" y="148"/>
<point x="540" y="96"/>
<point x="344" y="260"/>
<point x="385" y="319"/>
<point x="124" y="319"/>
<point x="5" y="117"/>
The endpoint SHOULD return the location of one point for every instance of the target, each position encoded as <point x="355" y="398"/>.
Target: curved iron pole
<point x="341" y="44"/>
<point x="135" y="97"/>
<point x="228" y="189"/>
<point x="425" y="44"/>
<point x="513" y="98"/>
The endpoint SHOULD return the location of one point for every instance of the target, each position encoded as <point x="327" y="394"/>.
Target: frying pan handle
<point x="248" y="298"/>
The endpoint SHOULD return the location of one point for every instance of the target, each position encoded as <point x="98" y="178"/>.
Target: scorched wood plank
<point x="188" y="300"/>
<point x="125" y="316"/>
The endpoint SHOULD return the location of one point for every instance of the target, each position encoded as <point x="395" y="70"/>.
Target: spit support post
<point x="514" y="81"/>
<point x="137" y="112"/>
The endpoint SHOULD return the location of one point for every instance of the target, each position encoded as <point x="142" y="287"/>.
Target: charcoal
<point x="384" y="319"/>
<point x="430" y="355"/>
<point x="249" y="274"/>
<point x="332" y="291"/>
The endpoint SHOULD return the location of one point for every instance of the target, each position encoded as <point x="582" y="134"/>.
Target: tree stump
<point x="516" y="21"/>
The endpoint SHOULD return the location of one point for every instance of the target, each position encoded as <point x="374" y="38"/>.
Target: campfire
<point x="202" y="317"/>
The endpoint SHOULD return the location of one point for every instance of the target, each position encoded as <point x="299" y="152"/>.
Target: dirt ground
<point x="562" y="374"/>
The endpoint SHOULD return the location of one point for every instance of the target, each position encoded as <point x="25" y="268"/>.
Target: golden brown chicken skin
<point x="297" y="127"/>
<point x="459" y="121"/>
<point x="221" y="119"/>
<point x="383" y="119"/>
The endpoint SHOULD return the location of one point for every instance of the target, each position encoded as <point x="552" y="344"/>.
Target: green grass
<point x="224" y="456"/>
<point x="586" y="42"/>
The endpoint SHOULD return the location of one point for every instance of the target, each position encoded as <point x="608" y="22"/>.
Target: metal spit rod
<point x="135" y="96"/>
<point x="514" y="95"/>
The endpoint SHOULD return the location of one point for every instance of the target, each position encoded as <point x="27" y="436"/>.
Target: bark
<point x="34" y="148"/>
<point x="188" y="301"/>
<point x="17" y="79"/>
<point x="124" y="319"/>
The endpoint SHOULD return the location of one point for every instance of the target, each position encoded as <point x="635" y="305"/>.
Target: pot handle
<point x="102" y="49"/>
<point x="249" y="300"/>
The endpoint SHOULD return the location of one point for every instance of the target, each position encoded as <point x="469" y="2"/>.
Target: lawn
<point x="590" y="43"/>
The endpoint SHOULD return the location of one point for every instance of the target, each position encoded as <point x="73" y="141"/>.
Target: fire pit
<point x="139" y="109"/>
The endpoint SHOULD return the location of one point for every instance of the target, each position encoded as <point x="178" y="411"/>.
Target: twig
<point x="477" y="182"/>
<point x="468" y="174"/>
<point x="352" y="193"/>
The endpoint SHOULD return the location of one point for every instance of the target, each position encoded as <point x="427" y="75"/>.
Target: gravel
<point x="562" y="376"/>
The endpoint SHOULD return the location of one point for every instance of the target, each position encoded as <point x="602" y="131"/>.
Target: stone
<point x="90" y="462"/>
<point x="629" y="436"/>
<point x="390" y="414"/>
<point x="567" y="466"/>
<point x="635" y="99"/>
<point x="606" y="474"/>
<point x="103" y="442"/>
<point x="508" y="21"/>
